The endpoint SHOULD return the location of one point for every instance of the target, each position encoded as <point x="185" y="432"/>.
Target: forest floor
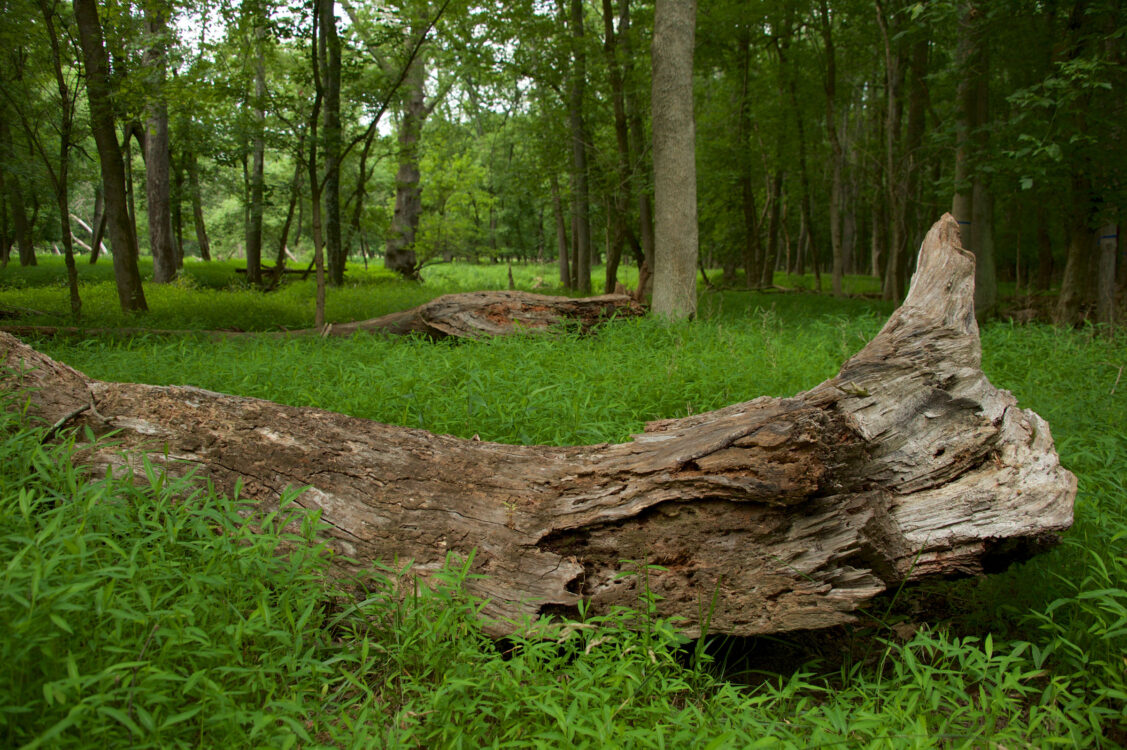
<point x="137" y="619"/>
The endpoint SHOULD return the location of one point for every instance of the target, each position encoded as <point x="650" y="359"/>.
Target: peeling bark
<point x="787" y="513"/>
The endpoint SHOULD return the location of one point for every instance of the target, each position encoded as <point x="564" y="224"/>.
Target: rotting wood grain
<point x="790" y="513"/>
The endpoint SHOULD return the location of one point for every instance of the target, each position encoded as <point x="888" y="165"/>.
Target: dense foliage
<point x="830" y="134"/>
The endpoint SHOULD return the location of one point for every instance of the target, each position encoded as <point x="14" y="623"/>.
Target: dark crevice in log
<point x="791" y="513"/>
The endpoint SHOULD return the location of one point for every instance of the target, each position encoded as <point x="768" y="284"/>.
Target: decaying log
<point x="473" y="315"/>
<point x="468" y="315"/>
<point x="790" y="512"/>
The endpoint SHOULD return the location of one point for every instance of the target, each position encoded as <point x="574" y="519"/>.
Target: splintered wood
<point x="787" y="513"/>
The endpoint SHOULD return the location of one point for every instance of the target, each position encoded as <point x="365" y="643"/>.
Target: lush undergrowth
<point x="136" y="619"/>
<point x="212" y="296"/>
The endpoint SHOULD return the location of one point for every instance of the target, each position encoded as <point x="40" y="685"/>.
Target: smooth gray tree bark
<point x="675" y="172"/>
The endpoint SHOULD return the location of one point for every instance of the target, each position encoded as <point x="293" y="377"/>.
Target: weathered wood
<point x="468" y="315"/>
<point x="788" y="513"/>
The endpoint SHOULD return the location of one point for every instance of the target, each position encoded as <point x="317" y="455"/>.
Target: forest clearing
<point x="433" y="374"/>
<point x="205" y="636"/>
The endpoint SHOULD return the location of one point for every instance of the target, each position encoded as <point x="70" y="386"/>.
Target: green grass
<point x="136" y="619"/>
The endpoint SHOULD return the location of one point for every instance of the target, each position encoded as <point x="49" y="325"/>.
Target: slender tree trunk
<point x="774" y="226"/>
<point x="315" y="189"/>
<point x="360" y="195"/>
<point x="562" y="244"/>
<point x="61" y="177"/>
<point x="914" y="220"/>
<point x="837" y="154"/>
<point x="896" y="173"/>
<point x="621" y="192"/>
<point x="335" y="250"/>
<point x="1074" y="287"/>
<point x="1121" y="263"/>
<point x="296" y="185"/>
<point x="5" y="235"/>
<point x="255" y="209"/>
<point x="752" y="248"/>
<point x="972" y="205"/>
<point x="177" y="210"/>
<point x="400" y="251"/>
<point x="197" y="206"/>
<point x="806" y="218"/>
<point x="11" y="189"/>
<point x="97" y="223"/>
<point x="675" y="177"/>
<point x="637" y="140"/>
<point x="1105" y="280"/>
<point x="581" y="201"/>
<point x="130" y="202"/>
<point x="128" y="277"/>
<point x="1044" y="248"/>
<point x="157" y="156"/>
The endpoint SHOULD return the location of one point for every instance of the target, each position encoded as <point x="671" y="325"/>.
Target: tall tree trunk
<point x="621" y="192"/>
<point x="837" y="154"/>
<point x="177" y="211"/>
<point x="157" y="158"/>
<point x="774" y="226"/>
<point x="562" y="244"/>
<point x="197" y="206"/>
<point x="1074" y="287"/>
<point x="896" y="174"/>
<point x="804" y="175"/>
<point x="637" y="141"/>
<point x="315" y="185"/>
<point x="127" y="275"/>
<point x="130" y="202"/>
<point x="752" y="247"/>
<point x="295" y="197"/>
<point x="61" y="177"/>
<point x="97" y="223"/>
<point x="675" y="175"/>
<point x="972" y="205"/>
<point x="1044" y="248"/>
<point x="1105" y="280"/>
<point x="400" y="251"/>
<point x="335" y="250"/>
<point x="580" y="194"/>
<point x="360" y="195"/>
<point x="11" y="189"/>
<point x="257" y="191"/>
<point x="914" y="219"/>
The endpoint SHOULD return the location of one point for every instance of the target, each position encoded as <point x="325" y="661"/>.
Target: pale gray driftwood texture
<point x="791" y="512"/>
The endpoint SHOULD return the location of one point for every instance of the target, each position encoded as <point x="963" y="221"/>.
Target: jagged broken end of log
<point x="765" y="516"/>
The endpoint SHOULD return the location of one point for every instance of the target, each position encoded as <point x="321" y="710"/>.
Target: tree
<point x="157" y="156"/>
<point x="973" y="205"/>
<point x="674" y="136"/>
<point x="331" y="49"/>
<point x="127" y="275"/>
<point x="400" y="253"/>
<point x="258" y="22"/>
<point x="60" y="176"/>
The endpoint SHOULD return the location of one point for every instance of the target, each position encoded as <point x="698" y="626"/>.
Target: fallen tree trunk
<point x="776" y="514"/>
<point x="468" y="315"/>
